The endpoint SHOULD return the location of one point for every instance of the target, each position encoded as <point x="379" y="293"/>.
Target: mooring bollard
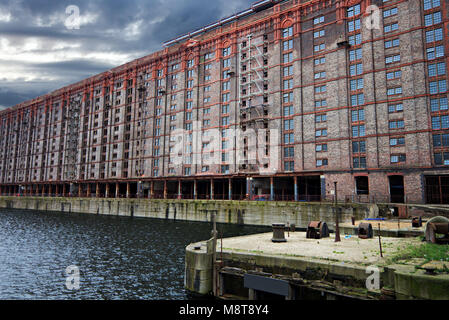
<point x="278" y="233"/>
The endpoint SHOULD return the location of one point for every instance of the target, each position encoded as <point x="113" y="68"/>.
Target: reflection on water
<point x="118" y="257"/>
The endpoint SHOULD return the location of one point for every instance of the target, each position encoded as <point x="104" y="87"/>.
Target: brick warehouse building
<point x="332" y="94"/>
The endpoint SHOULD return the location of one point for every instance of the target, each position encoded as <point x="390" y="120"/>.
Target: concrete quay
<point x="310" y="269"/>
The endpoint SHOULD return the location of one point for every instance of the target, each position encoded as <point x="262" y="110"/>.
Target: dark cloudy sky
<point x="39" y="54"/>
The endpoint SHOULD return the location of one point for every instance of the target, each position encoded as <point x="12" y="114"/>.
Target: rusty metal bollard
<point x="317" y="230"/>
<point x="278" y="233"/>
<point x="365" y="231"/>
<point x="417" y="222"/>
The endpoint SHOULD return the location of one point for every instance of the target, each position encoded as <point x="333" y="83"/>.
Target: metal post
<point x="195" y="189"/>
<point x="230" y="189"/>
<point x="337" y="227"/>
<point x="212" y="189"/>
<point x="117" y="190"/>
<point x="271" y="189"/>
<point x="128" y="187"/>
<point x="179" y="190"/>
<point x="165" y="189"/>
<point x="380" y="244"/>
<point x="107" y="190"/>
<point x="295" y="180"/>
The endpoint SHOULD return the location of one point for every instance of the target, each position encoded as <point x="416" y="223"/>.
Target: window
<point x="319" y="34"/>
<point x="288" y="97"/>
<point x="358" y="131"/>
<point x="359" y="162"/>
<point x="392" y="59"/>
<point x="398" y="158"/>
<point x="226" y="63"/>
<point x="431" y="19"/>
<point x="442" y="159"/>
<point x="288" y="125"/>
<point x="397" y="124"/>
<point x="356" y="69"/>
<point x="288" y="45"/>
<point x="320" y="89"/>
<point x="437" y="69"/>
<point x="395" y="142"/>
<point x="289" y="138"/>
<point x="288" y="71"/>
<point x="435" y="52"/>
<point x="437" y="86"/>
<point x="440" y="104"/>
<point x="287" y="58"/>
<point x="440" y="122"/>
<point x="441" y="140"/>
<point x="224" y="109"/>
<point x="394" y="75"/>
<point x="354" y="25"/>
<point x="288" y="84"/>
<point x="319" y="47"/>
<point x="289" y="152"/>
<point x="359" y="147"/>
<point x="209" y="56"/>
<point x="430" y="4"/>
<point x="355" y="39"/>
<point x="320" y="118"/>
<point x="434" y="35"/>
<point x="319" y="61"/>
<point x="289" y="166"/>
<point x="321" y="147"/>
<point x="226" y="51"/>
<point x="321" y="133"/>
<point x="318" y="20"/>
<point x="355" y="54"/>
<point x="288" y="111"/>
<point x="190" y="63"/>
<point x="394" y="91"/>
<point x="208" y="66"/>
<point x="225" y="169"/>
<point x="353" y="11"/>
<point x="356" y="84"/>
<point x="321" y="162"/>
<point x="358" y="115"/>
<point x="320" y="103"/>
<point x="395" y="108"/>
<point x="390" y="12"/>
<point x="391" y="27"/>
<point x="225" y="121"/>
<point x="320" y="75"/>
<point x="287" y="32"/>
<point x="357" y="99"/>
<point x="391" y="43"/>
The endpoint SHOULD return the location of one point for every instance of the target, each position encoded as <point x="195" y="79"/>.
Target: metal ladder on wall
<point x="252" y="91"/>
<point x="73" y="129"/>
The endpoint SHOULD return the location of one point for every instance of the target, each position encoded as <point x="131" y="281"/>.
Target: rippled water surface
<point x="118" y="257"/>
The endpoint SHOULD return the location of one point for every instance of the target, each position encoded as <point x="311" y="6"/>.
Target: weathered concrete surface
<point x="346" y="261"/>
<point x="234" y="212"/>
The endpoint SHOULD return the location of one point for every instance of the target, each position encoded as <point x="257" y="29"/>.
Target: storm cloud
<point x="39" y="54"/>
